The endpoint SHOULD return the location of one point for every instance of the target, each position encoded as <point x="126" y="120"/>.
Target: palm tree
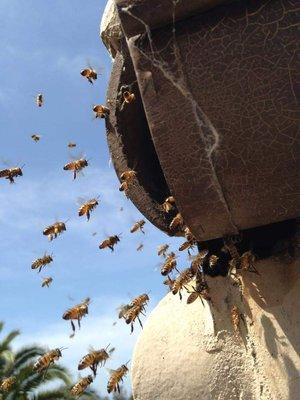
<point x="29" y="384"/>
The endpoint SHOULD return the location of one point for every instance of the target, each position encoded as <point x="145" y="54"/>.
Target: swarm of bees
<point x="191" y="279"/>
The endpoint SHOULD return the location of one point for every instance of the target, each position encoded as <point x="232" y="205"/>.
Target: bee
<point x="247" y="260"/>
<point x="177" y="222"/>
<point x="110" y="242"/>
<point x="47" y="281"/>
<point x="39" y="100"/>
<point x="11" y="173"/>
<point x="87" y="207"/>
<point x="231" y="248"/>
<point x="162" y="250"/>
<point x="81" y="385"/>
<point x="133" y="313"/>
<point x="169" y="265"/>
<point x="90" y="74"/>
<point x="235" y="318"/>
<point x="181" y="280"/>
<point x="7" y="383"/>
<point x="52" y="231"/>
<point x="140" y="247"/>
<point x="116" y="377"/>
<point x="201" y="291"/>
<point x="190" y="241"/>
<point x="44" y="362"/>
<point x="76" y="166"/>
<point x="128" y="97"/>
<point x="169" y="282"/>
<point x="168" y="204"/>
<point x="197" y="261"/>
<point x="93" y="359"/>
<point x="71" y="145"/>
<point x="127" y="178"/>
<point x="77" y="313"/>
<point x="101" y="111"/>
<point x="39" y="263"/>
<point x="138" y="226"/>
<point x="212" y="261"/>
<point x="35" y="137"/>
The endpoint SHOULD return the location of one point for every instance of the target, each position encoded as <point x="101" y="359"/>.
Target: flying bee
<point x="116" y="377"/>
<point x="77" y="313"/>
<point x="201" y="291"/>
<point x="93" y="359"/>
<point x="247" y="260"/>
<point x="181" y="280"/>
<point x="110" y="242"/>
<point x="168" y="204"/>
<point x="76" y="166"/>
<point x="127" y="178"/>
<point x="44" y="362"/>
<point x="87" y="207"/>
<point x="162" y="250"/>
<point x="231" y="248"/>
<point x="71" y="145"/>
<point x="169" y="282"/>
<point x="39" y="263"/>
<point x="190" y="241"/>
<point x="177" y="222"/>
<point x="47" y="281"/>
<point x="11" y="173"/>
<point x="138" y="226"/>
<point x="212" y="261"/>
<point x="35" y="137"/>
<point x="81" y="385"/>
<point x="52" y="231"/>
<point x="197" y="261"/>
<point x="39" y="100"/>
<point x="90" y="74"/>
<point x="132" y="314"/>
<point x="169" y="265"/>
<point x="140" y="247"/>
<point x="100" y="111"/>
<point x="7" y="383"/>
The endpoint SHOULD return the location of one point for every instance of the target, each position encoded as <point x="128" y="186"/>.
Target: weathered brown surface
<point x="131" y="146"/>
<point x="220" y="99"/>
<point x="136" y="14"/>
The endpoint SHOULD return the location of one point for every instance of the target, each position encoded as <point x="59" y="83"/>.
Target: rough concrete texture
<point x="192" y="351"/>
<point x="110" y="28"/>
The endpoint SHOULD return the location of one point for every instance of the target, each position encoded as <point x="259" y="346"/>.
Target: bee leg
<point x="118" y="387"/>
<point x="254" y="270"/>
<point x="74" y="174"/>
<point x="73" y="326"/>
<point x="88" y="215"/>
<point x="140" y="322"/>
<point x="78" y="321"/>
<point x="111" y="247"/>
<point x="180" y="295"/>
<point x="40" y="269"/>
<point x="131" y="327"/>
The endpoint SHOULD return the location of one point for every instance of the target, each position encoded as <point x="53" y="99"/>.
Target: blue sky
<point x="44" y="45"/>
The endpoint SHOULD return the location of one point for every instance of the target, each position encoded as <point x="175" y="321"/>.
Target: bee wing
<point x="81" y="200"/>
